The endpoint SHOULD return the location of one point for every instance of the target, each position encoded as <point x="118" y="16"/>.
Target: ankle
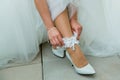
<point x="77" y="56"/>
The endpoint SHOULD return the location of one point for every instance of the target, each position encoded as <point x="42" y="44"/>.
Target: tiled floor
<point x="55" y="68"/>
<point x="29" y="72"/>
<point x="60" y="68"/>
<point x="32" y="71"/>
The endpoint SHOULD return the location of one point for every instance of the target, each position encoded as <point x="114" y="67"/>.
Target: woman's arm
<point x="44" y="13"/>
<point x="53" y="34"/>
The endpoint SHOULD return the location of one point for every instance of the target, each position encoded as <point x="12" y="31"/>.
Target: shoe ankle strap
<point x="70" y="42"/>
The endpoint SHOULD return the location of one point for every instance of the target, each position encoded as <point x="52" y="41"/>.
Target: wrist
<point x="51" y="29"/>
<point x="48" y="28"/>
<point x="49" y="25"/>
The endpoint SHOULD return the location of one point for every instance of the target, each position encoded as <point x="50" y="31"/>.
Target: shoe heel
<point x="86" y="70"/>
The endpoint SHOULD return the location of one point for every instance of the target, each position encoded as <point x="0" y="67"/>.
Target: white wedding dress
<point x="18" y="37"/>
<point x="100" y="20"/>
<point x="22" y="30"/>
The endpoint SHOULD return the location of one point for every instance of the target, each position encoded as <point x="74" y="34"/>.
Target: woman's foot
<point x="77" y="56"/>
<point x="79" y="61"/>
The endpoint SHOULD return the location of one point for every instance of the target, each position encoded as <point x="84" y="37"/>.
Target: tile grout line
<point x="41" y="47"/>
<point x="118" y="55"/>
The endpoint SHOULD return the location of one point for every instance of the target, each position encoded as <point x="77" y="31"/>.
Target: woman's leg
<point x="63" y="25"/>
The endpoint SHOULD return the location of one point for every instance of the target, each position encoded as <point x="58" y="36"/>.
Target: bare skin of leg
<point x="63" y="25"/>
<point x="74" y="22"/>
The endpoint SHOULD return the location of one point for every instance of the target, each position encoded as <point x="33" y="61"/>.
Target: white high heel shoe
<point x="88" y="69"/>
<point x="59" y="52"/>
<point x="69" y="43"/>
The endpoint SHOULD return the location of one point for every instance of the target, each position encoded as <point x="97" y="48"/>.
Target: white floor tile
<point x="28" y="72"/>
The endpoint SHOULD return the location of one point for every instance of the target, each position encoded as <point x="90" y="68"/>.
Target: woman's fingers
<point x="78" y="37"/>
<point x="55" y="37"/>
<point x="77" y="27"/>
<point x="52" y="42"/>
<point x="60" y="40"/>
<point x="57" y="41"/>
<point x="78" y="32"/>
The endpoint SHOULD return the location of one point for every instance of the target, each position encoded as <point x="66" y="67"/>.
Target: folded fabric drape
<point x="22" y="29"/>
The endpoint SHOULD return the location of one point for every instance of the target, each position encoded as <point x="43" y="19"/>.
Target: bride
<point x="22" y="30"/>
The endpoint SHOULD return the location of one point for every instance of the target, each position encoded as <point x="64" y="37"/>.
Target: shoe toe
<point x="88" y="69"/>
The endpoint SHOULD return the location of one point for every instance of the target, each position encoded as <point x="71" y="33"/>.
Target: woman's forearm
<point x="44" y="13"/>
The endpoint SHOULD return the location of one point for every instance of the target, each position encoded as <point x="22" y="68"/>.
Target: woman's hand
<point x="76" y="27"/>
<point x="55" y="37"/>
